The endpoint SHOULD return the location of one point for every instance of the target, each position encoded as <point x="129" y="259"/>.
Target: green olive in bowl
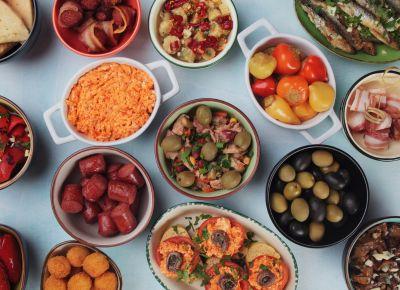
<point x="204" y="115"/>
<point x="209" y="151"/>
<point x="185" y="178"/>
<point x="231" y="179"/>
<point x="322" y="158"/>
<point x="292" y="190"/>
<point x="278" y="202"/>
<point x="287" y="173"/>
<point x="171" y="143"/>
<point x="242" y="140"/>
<point x="305" y="179"/>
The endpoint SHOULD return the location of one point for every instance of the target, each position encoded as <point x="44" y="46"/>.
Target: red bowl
<point x="70" y="38"/>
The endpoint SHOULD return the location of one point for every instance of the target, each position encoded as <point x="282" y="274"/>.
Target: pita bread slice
<point x="12" y="28"/>
<point x="5" y="47"/>
<point x="24" y="9"/>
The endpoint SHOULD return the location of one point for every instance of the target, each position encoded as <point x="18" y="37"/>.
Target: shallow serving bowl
<point x="14" y="108"/>
<point x="70" y="39"/>
<point x="305" y="47"/>
<point x="62" y="249"/>
<point x="176" y="215"/>
<point x="358" y="185"/>
<point x="154" y="21"/>
<point x="24" y="255"/>
<point x="213" y="104"/>
<point x="75" y="225"/>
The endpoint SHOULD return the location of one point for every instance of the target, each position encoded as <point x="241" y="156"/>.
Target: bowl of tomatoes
<point x="290" y="81"/>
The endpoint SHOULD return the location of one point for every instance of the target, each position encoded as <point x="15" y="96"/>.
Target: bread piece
<point x="12" y="28"/>
<point x="175" y="231"/>
<point x="261" y="249"/>
<point x="24" y="9"/>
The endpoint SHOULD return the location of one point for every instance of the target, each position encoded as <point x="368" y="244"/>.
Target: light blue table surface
<point x="36" y="81"/>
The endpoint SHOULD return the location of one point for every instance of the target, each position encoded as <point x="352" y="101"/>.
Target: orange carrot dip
<point x="111" y="102"/>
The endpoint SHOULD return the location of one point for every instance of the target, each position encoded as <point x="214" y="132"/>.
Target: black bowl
<point x="20" y="49"/>
<point x="358" y="185"/>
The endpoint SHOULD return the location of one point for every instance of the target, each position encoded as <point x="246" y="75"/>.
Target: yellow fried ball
<point x="107" y="281"/>
<point x="95" y="264"/>
<point x="76" y="255"/>
<point x="59" y="266"/>
<point x="53" y="283"/>
<point x="80" y="281"/>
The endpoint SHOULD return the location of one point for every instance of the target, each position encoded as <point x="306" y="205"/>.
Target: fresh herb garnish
<point x="249" y="239"/>
<point x="175" y="228"/>
<point x="220" y="145"/>
<point x="263" y="267"/>
<point x="205" y="235"/>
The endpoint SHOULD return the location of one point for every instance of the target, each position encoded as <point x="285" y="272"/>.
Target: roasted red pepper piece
<point x="172" y="4"/>
<point x="4" y="119"/>
<point x="12" y="157"/>
<point x="4" y="283"/>
<point x="10" y="255"/>
<point x="18" y="131"/>
<point x="14" y="121"/>
<point x="3" y="142"/>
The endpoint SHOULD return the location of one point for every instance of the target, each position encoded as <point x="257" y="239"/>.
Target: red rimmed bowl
<point x="214" y="104"/>
<point x="70" y="39"/>
<point x="74" y="224"/>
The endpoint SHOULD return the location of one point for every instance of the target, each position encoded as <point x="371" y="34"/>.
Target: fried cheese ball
<point x="53" y="283"/>
<point x="80" y="281"/>
<point x="76" y="255"/>
<point x="95" y="264"/>
<point x="107" y="281"/>
<point x="59" y="266"/>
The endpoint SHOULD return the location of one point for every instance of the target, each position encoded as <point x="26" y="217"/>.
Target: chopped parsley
<point x="249" y="239"/>
<point x="220" y="145"/>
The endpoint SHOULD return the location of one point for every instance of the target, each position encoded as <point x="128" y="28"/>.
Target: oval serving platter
<point x="181" y="213"/>
<point x="384" y="54"/>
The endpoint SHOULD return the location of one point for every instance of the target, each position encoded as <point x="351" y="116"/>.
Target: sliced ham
<point x="356" y="121"/>
<point x="360" y="101"/>
<point x="89" y="38"/>
<point x="393" y="107"/>
<point x="395" y="130"/>
<point x="386" y="124"/>
<point x="377" y="140"/>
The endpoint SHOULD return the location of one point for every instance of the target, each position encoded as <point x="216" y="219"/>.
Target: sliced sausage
<point x="84" y="181"/>
<point x="107" y="227"/>
<point x="92" y="164"/>
<point x="122" y="191"/>
<point x="90" y="212"/>
<point x="123" y="218"/>
<point x="95" y="187"/>
<point x="106" y="203"/>
<point x="112" y="171"/>
<point x="135" y="205"/>
<point x="131" y="174"/>
<point x="72" y="199"/>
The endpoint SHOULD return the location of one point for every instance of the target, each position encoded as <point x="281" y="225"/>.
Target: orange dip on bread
<point x="111" y="102"/>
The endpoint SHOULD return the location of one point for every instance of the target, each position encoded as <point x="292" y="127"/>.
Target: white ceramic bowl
<point x="176" y="215"/>
<point x="74" y="224"/>
<point x="75" y="135"/>
<point x="154" y="21"/>
<point x="308" y="49"/>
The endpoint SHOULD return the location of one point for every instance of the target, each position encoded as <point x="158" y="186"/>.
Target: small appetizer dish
<point x="193" y="33"/>
<point x="19" y="27"/>
<point x="204" y="246"/>
<point x="96" y="28"/>
<point x="360" y="30"/>
<point x="371" y="115"/>
<point x="110" y="102"/>
<point x="13" y="260"/>
<point x="72" y="265"/>
<point x="372" y="259"/>
<point x="317" y="196"/>
<point x="290" y="81"/>
<point x="102" y="196"/>
<point x="207" y="149"/>
<point x="16" y="143"/>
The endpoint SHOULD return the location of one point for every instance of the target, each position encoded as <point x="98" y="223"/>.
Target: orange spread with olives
<point x="276" y="267"/>
<point x="223" y="270"/>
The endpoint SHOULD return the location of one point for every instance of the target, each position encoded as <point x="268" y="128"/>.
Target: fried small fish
<point x="395" y="4"/>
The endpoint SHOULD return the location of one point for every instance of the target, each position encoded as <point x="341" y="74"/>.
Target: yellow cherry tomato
<point x="280" y="110"/>
<point x="304" y="112"/>
<point x="262" y="65"/>
<point x="322" y="96"/>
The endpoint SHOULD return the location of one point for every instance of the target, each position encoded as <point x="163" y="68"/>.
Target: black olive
<point x="345" y="174"/>
<point x="317" y="209"/>
<point x="350" y="203"/>
<point x="285" y="218"/>
<point x="318" y="175"/>
<point x="174" y="261"/>
<point x="335" y="180"/>
<point x="301" y="161"/>
<point x="265" y="278"/>
<point x="221" y="239"/>
<point x="307" y="194"/>
<point x="226" y="282"/>
<point x="298" y="229"/>
<point x="279" y="186"/>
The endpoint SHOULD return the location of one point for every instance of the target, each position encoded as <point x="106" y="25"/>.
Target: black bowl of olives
<point x="317" y="196"/>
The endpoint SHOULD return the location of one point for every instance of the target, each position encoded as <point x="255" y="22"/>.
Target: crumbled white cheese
<point x="332" y="10"/>
<point x="26" y="153"/>
<point x="12" y="139"/>
<point x="187" y="33"/>
<point x="384" y="256"/>
<point x="349" y="29"/>
<point x="369" y="263"/>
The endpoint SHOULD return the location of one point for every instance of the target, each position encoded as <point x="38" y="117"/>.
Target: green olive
<point x="334" y="214"/>
<point x="334" y="197"/>
<point x="171" y="143"/>
<point x="185" y="121"/>
<point x="209" y="151"/>
<point x="300" y="209"/>
<point x="278" y="203"/>
<point x="322" y="158"/>
<point x="316" y="231"/>
<point x="333" y="168"/>
<point x="305" y="179"/>
<point x="292" y="190"/>
<point x="287" y="173"/>
<point x="185" y="178"/>
<point x="231" y="179"/>
<point x="204" y="115"/>
<point x="242" y="140"/>
<point x="321" y="189"/>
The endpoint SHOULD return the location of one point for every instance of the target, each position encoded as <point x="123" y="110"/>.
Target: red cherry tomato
<point x="288" y="59"/>
<point x="314" y="69"/>
<point x="294" y="89"/>
<point x="264" y="88"/>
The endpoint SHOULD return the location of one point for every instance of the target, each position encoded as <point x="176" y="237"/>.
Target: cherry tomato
<point x="304" y="111"/>
<point x="322" y="96"/>
<point x="264" y="88"/>
<point x="294" y="89"/>
<point x="313" y="69"/>
<point x="262" y="65"/>
<point x="288" y="59"/>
